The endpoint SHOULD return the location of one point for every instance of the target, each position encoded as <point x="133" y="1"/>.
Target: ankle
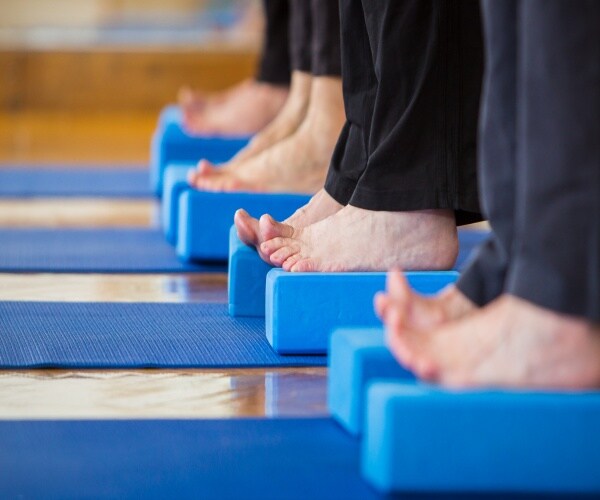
<point x="330" y="87"/>
<point x="326" y="96"/>
<point x="300" y="88"/>
<point x="301" y="83"/>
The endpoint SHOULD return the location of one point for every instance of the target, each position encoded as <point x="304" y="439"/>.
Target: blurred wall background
<point x="83" y="80"/>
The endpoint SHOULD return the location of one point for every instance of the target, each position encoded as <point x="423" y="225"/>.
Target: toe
<point x="185" y="97"/>
<point x="214" y="183"/>
<point x="291" y="261"/>
<point x="394" y="319"/>
<point x="410" y="348"/>
<point x="418" y="312"/>
<point x="381" y="302"/>
<point x="304" y="266"/>
<point x="271" y="246"/>
<point x="397" y="285"/>
<point x="229" y="184"/>
<point x="247" y="227"/>
<point x="282" y="255"/>
<point x="192" y="123"/>
<point x="192" y="177"/>
<point x="425" y="369"/>
<point x="236" y="184"/>
<point x="458" y="380"/>
<point x="270" y="228"/>
<point x="399" y="348"/>
<point x="206" y="168"/>
<point x="203" y="183"/>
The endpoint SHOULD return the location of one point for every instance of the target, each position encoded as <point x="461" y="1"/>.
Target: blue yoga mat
<point x="266" y="459"/>
<point x="133" y="335"/>
<point x="206" y="459"/>
<point x="70" y="182"/>
<point x="92" y="250"/>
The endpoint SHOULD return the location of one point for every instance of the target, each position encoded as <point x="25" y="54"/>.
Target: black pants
<point x="412" y="72"/>
<point x="540" y="156"/>
<point x="315" y="37"/>
<point x="274" y="66"/>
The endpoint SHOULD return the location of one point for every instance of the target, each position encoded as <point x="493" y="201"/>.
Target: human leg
<point x="543" y="331"/>
<point x="411" y="158"/>
<point x="250" y="105"/>
<point x="298" y="162"/>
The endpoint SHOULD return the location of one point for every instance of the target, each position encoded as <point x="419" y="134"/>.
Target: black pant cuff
<point x="538" y="283"/>
<point x="327" y="69"/>
<point x="338" y="187"/>
<point x="274" y="79"/>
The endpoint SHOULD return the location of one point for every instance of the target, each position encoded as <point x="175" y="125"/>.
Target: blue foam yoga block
<point x="205" y="219"/>
<point x="247" y="276"/>
<point x="423" y="438"/>
<point x="174" y="183"/>
<point x="302" y="309"/>
<point x="356" y="357"/>
<point x="169" y="114"/>
<point x="171" y="144"/>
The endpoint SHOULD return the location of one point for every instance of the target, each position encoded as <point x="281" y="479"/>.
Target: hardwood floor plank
<point x="211" y="288"/>
<point x="77" y="213"/>
<point x="58" y="394"/>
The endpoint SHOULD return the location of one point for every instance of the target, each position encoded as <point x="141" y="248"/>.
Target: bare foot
<point x="417" y="311"/>
<point x="193" y="102"/>
<point x="354" y="239"/>
<point x="297" y="164"/>
<point x="285" y="124"/>
<point x="509" y="343"/>
<point x="254" y="232"/>
<point x="244" y="110"/>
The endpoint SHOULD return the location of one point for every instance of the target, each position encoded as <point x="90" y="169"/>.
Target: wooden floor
<point x="111" y="138"/>
<point x="137" y="393"/>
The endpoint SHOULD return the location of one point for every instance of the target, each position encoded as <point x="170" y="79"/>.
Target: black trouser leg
<point x="556" y="256"/>
<point x="359" y="84"/>
<point x="484" y="278"/>
<point x="274" y="66"/>
<point x="412" y="73"/>
<point x="326" y="57"/>
<point x="301" y="34"/>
